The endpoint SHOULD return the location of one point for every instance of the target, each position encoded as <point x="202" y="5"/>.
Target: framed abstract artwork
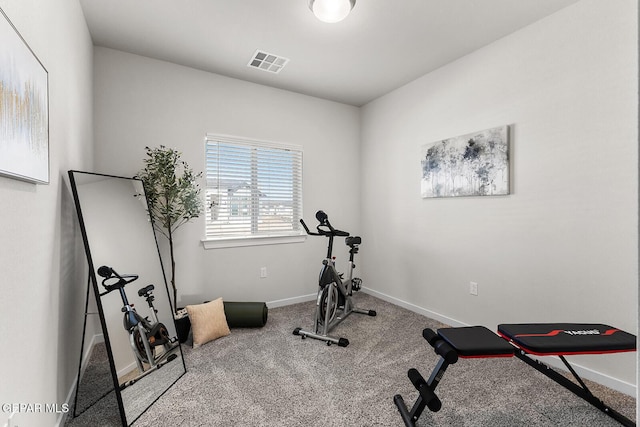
<point x="475" y="164"/>
<point x="24" y="108"/>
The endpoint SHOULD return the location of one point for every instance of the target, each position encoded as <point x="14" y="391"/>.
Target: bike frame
<point x="133" y="322"/>
<point x="330" y="279"/>
<point x="332" y="287"/>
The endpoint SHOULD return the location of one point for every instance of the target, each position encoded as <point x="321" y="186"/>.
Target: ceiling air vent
<point x="267" y="61"/>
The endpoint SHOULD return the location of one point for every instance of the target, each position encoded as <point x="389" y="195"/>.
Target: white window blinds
<point x="254" y="188"/>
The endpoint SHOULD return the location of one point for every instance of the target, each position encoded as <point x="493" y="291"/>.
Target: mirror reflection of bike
<point x="146" y="334"/>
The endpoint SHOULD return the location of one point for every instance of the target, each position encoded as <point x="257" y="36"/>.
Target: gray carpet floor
<point x="97" y="382"/>
<point x="269" y="377"/>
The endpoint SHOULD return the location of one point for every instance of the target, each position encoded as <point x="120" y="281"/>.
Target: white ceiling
<point x="380" y="46"/>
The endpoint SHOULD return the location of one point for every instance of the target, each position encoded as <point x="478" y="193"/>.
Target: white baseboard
<point x="130" y="367"/>
<point x="290" y="301"/>
<point x="553" y="361"/>
<point x="412" y="307"/>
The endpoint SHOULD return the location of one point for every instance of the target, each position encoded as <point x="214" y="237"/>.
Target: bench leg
<point x="426" y="397"/>
<point x="579" y="390"/>
<point x="408" y="417"/>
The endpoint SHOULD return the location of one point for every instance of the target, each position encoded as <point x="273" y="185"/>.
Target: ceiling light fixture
<point x="331" y="10"/>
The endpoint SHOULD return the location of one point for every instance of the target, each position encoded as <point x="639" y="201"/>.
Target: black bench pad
<point x="476" y="341"/>
<point x="567" y="338"/>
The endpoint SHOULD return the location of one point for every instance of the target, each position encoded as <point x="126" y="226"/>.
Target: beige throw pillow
<point x="208" y="322"/>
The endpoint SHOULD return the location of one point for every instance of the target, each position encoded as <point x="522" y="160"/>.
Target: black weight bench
<point x="540" y="339"/>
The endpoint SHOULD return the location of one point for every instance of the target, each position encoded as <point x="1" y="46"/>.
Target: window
<point x="253" y="190"/>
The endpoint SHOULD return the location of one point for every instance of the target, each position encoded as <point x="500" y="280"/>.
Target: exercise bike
<point x="145" y="334"/>
<point x="333" y="303"/>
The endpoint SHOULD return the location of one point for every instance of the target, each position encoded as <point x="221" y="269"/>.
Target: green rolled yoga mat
<point x="245" y="314"/>
<point x="238" y="314"/>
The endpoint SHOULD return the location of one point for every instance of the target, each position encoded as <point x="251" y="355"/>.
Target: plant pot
<point x="183" y="327"/>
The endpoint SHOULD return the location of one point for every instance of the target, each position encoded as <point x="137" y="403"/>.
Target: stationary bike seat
<point x="145" y="290"/>
<point x="353" y="240"/>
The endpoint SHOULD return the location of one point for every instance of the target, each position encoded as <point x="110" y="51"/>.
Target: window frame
<point x="296" y="236"/>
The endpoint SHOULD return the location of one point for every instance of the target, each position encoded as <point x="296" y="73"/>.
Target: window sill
<point x="252" y="241"/>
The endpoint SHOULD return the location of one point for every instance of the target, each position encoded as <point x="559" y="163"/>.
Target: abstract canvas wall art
<point x="475" y="164"/>
<point x="24" y="109"/>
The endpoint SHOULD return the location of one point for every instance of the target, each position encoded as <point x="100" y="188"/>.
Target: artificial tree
<point x="173" y="196"/>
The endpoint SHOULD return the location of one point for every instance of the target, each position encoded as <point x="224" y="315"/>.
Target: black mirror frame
<point x="93" y="280"/>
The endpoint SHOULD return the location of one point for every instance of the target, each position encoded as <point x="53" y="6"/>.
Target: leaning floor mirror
<point x="131" y="295"/>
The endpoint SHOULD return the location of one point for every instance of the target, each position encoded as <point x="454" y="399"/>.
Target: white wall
<point x="42" y="286"/>
<point x="563" y="245"/>
<point x="144" y="102"/>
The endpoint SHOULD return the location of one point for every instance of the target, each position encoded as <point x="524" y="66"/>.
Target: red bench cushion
<point x="567" y="338"/>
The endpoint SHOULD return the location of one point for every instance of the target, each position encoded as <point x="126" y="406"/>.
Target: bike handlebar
<point x="109" y="273"/>
<point x="323" y="219"/>
<point x="307" y="228"/>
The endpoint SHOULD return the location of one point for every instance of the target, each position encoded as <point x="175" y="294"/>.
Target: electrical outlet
<point x="473" y="288"/>
<point x="263" y="272"/>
